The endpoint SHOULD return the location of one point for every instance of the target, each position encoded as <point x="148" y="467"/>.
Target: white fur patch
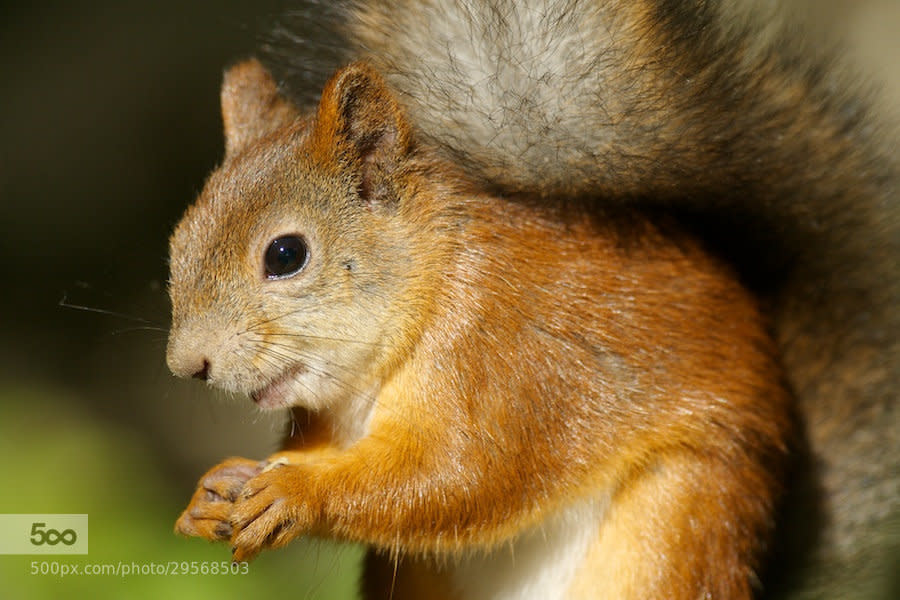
<point x="539" y="565"/>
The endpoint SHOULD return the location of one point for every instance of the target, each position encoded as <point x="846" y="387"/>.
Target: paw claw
<point x="211" y="505"/>
<point x="268" y="513"/>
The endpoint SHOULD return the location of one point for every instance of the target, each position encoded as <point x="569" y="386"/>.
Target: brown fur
<point x="489" y="364"/>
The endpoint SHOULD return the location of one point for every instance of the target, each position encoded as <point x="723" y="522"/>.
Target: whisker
<point x="144" y="328"/>
<point x="290" y="358"/>
<point x="325" y="338"/>
<point x="281" y="355"/>
<point x="64" y="303"/>
<point x="253" y="326"/>
<point x="269" y="355"/>
<point x="295" y="352"/>
<point x="295" y="427"/>
<point x="270" y="358"/>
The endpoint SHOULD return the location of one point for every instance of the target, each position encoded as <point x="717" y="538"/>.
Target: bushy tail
<point x="727" y="125"/>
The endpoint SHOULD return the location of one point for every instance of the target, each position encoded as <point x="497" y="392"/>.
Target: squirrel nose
<point x="203" y="373"/>
<point x="187" y="358"/>
<point x="196" y="367"/>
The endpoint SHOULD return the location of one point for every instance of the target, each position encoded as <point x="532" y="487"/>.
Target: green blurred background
<point x="108" y="125"/>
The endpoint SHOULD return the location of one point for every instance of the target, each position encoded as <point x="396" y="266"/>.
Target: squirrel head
<point x="293" y="278"/>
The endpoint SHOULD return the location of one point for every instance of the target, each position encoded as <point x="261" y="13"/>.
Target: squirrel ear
<point x="251" y="105"/>
<point x="360" y="120"/>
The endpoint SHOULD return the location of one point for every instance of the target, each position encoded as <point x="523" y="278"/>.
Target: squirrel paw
<point x="269" y="512"/>
<point x="208" y="512"/>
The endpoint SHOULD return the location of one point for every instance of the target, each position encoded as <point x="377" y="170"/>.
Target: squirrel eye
<point x="285" y="256"/>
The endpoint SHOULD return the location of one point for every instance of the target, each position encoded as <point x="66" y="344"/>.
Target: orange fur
<point x="500" y="363"/>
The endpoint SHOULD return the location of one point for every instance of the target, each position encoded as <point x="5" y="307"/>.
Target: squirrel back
<point x="741" y="134"/>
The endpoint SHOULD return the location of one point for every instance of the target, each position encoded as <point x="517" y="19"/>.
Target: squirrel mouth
<point x="280" y="392"/>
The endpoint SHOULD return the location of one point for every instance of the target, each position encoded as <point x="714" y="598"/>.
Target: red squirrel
<point x="621" y="209"/>
<point x="473" y="376"/>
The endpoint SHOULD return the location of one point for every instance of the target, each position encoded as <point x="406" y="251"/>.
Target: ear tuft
<point x="251" y="105"/>
<point x="359" y="120"/>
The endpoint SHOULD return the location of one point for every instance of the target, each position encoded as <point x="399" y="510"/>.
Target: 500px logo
<point x="43" y="534"/>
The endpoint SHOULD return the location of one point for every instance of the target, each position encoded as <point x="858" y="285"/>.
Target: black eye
<point x="286" y="256"/>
